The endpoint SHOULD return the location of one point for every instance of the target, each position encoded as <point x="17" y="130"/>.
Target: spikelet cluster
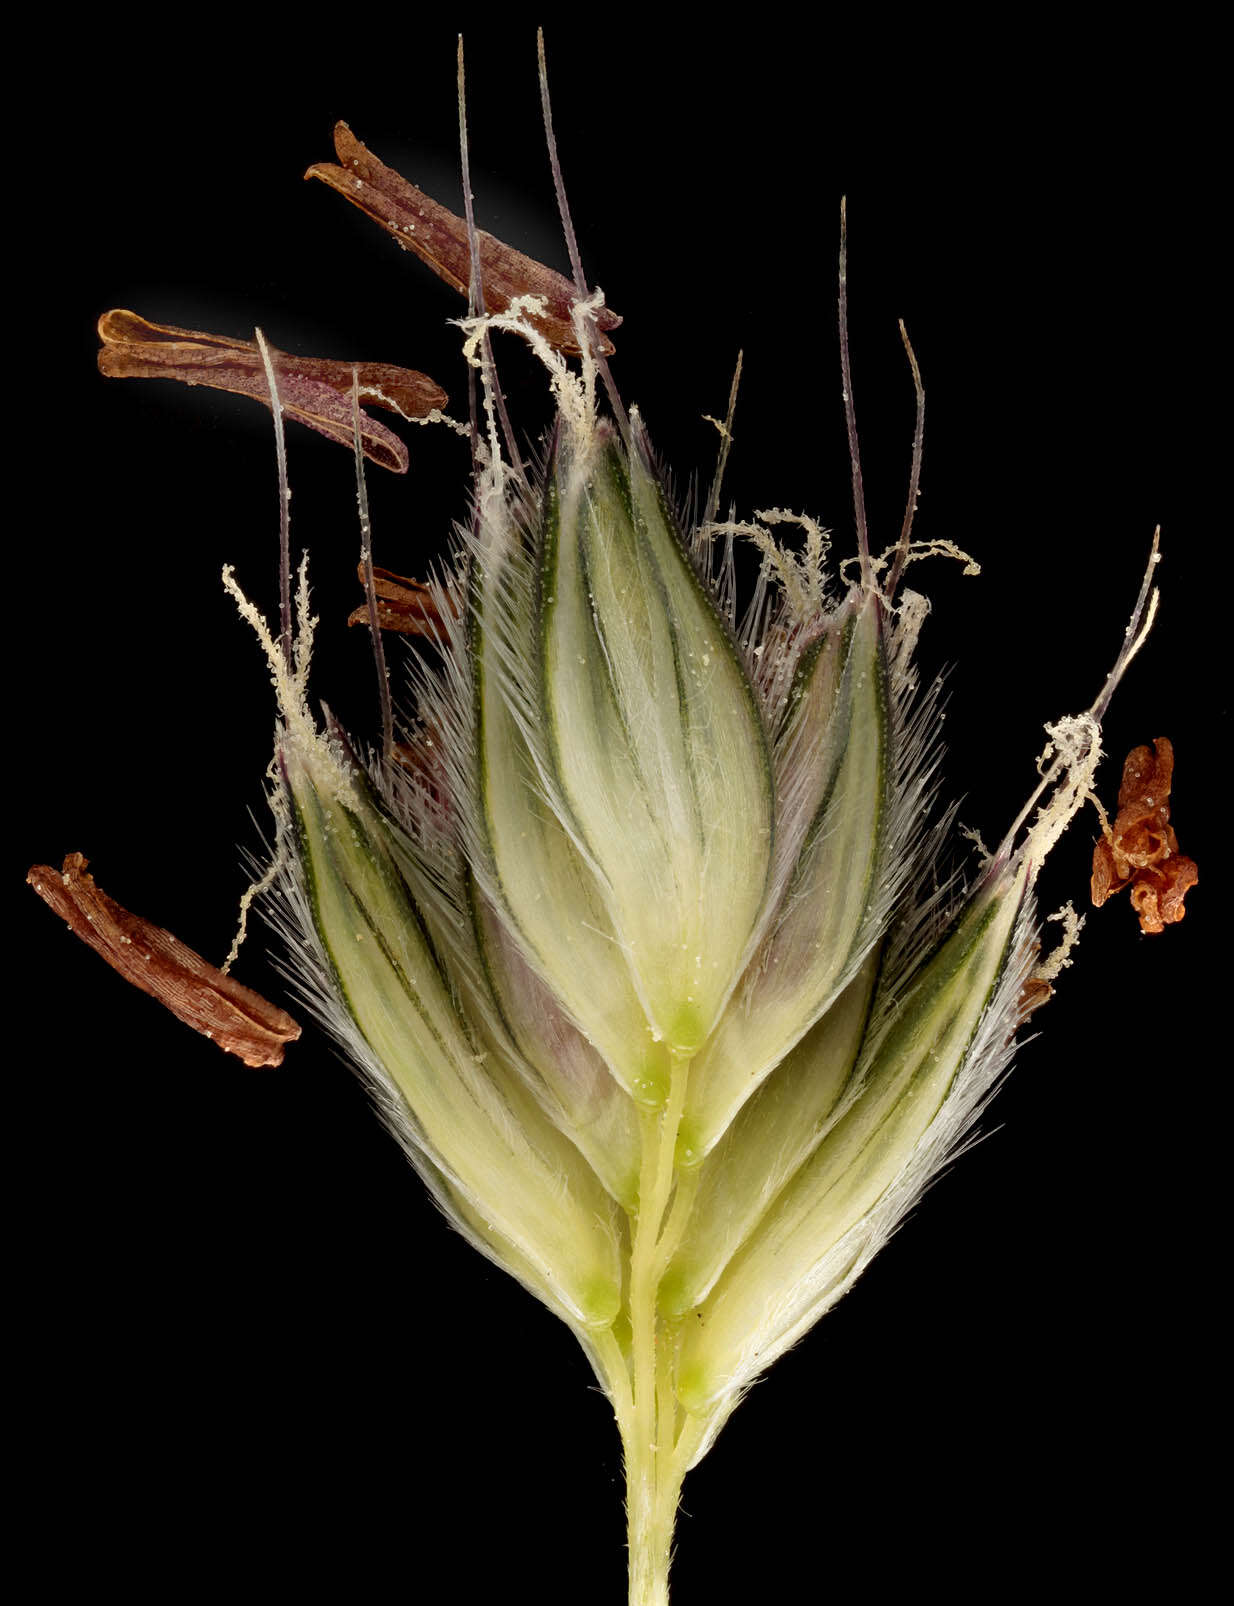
<point x="639" y="937"/>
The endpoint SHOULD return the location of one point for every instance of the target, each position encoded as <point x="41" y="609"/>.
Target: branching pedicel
<point x="633" y="932"/>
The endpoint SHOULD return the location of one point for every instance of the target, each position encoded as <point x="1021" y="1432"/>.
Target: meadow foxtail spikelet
<point x="639" y="922"/>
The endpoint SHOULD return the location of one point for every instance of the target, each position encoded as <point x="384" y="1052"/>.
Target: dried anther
<point x="407" y="606"/>
<point x="439" y="239"/>
<point x="316" y="390"/>
<point x="1035" y="991"/>
<point x="1140" y="849"/>
<point x="234" y="1016"/>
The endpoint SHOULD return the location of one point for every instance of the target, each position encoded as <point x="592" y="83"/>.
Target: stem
<point x="678" y="1219"/>
<point x="652" y="1478"/>
<point x="617" y="1375"/>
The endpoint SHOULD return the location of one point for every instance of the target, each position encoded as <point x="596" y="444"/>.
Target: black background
<point x="257" y="1356"/>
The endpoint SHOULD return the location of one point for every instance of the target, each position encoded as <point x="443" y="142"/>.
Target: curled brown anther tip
<point x="235" y="1017"/>
<point x="439" y="238"/>
<point x="1035" y="992"/>
<point x="407" y="606"/>
<point x="1140" y="849"/>
<point x="315" y="390"/>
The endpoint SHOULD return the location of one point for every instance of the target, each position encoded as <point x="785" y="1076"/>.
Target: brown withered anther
<point x="439" y="239"/>
<point x="1034" y="992"/>
<point x="404" y="605"/>
<point x="233" y="1016"/>
<point x="1140" y="849"/>
<point x="315" y="390"/>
